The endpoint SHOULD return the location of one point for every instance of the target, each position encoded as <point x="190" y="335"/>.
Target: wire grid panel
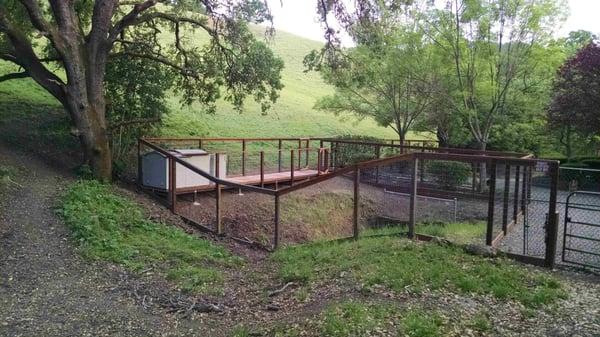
<point x="199" y="207"/>
<point x="248" y="215"/>
<point x="581" y="232"/>
<point x="323" y="211"/>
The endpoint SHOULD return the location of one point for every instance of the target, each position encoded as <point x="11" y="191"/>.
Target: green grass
<point x="401" y="264"/>
<point x="360" y="318"/>
<point x="110" y="227"/>
<point x="459" y="232"/>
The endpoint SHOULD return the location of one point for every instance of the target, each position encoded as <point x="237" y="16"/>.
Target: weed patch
<point x="110" y="227"/>
<point x="402" y="264"/>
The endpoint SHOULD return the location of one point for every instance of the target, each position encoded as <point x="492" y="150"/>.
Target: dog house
<point x="155" y="168"/>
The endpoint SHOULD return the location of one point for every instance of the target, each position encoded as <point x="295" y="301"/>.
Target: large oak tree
<point x="65" y="46"/>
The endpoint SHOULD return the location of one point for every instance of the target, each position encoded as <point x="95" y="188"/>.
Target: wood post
<point x="276" y="221"/>
<point x="218" y="197"/>
<point x="413" y="199"/>
<point x="355" y="230"/>
<point x="299" y="152"/>
<point x="279" y="156"/>
<point x="262" y="169"/>
<point x="140" y="178"/>
<point x="243" y="157"/>
<point x="516" y="194"/>
<point x="292" y="155"/>
<point x="491" y="204"/>
<point x="378" y="154"/>
<point x="307" y="151"/>
<point x="319" y="162"/>
<point x="505" y="201"/>
<point x="200" y="143"/>
<point x="173" y="184"/>
<point x="553" y="217"/>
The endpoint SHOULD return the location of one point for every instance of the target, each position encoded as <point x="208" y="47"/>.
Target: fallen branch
<point x="282" y="289"/>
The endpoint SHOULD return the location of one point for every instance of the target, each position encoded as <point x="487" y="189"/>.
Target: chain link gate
<point x="581" y="236"/>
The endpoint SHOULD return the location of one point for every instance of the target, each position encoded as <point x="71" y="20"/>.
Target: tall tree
<point x="488" y="43"/>
<point x="575" y="107"/>
<point x="81" y="37"/>
<point x="388" y="75"/>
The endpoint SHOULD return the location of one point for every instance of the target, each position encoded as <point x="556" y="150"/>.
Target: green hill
<point x="22" y="103"/>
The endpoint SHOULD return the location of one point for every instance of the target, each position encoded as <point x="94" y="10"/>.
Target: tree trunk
<point x="402" y="137"/>
<point x="483" y="181"/>
<point x="93" y="135"/>
<point x="443" y="137"/>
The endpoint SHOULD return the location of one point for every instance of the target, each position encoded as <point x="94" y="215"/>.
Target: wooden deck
<point x="269" y="179"/>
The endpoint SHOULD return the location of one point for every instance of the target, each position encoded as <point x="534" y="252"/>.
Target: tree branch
<point x="13" y="76"/>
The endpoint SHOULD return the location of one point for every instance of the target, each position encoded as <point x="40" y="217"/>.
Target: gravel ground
<point x="47" y="289"/>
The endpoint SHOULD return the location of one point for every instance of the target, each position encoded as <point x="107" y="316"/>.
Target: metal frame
<point x="568" y="221"/>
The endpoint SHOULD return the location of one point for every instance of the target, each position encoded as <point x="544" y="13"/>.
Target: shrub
<point x="449" y="174"/>
<point x="350" y="154"/>
<point x="592" y="163"/>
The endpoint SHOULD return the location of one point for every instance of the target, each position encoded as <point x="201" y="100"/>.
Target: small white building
<point x="155" y="169"/>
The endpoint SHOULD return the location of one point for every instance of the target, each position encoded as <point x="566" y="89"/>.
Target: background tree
<point x="80" y="37"/>
<point x="388" y="75"/>
<point x="575" y="107"/>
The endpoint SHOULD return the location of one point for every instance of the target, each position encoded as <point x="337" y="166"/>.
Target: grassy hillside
<point x="292" y="115"/>
<point x="29" y="116"/>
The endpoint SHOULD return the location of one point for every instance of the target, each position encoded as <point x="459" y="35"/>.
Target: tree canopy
<point x="65" y="46"/>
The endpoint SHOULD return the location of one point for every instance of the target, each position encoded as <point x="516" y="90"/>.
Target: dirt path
<point x="46" y="289"/>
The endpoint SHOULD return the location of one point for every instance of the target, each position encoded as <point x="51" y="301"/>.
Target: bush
<point x="592" y="163"/>
<point x="350" y="154"/>
<point x="449" y="174"/>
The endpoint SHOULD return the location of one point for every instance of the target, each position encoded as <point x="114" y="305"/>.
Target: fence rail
<point x="507" y="195"/>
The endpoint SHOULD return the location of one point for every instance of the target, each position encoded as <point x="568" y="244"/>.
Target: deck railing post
<point x="276" y="221"/>
<point x="218" y="197"/>
<point x="262" y="169"/>
<point x="491" y="204"/>
<point x="299" y="152"/>
<point x="279" y="156"/>
<point x="173" y="184"/>
<point x="356" y="200"/>
<point x="413" y="198"/>
<point x="292" y="155"/>
<point x="307" y="151"/>
<point x="243" y="157"/>
<point x="319" y="161"/>
<point x="553" y="217"/>
<point x="200" y="143"/>
<point x="505" y="201"/>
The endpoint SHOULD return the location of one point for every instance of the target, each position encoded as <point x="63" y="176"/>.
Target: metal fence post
<point x="378" y="153"/>
<point x="139" y="162"/>
<point x="505" y="201"/>
<point x="173" y="184"/>
<point x="356" y="202"/>
<point x="413" y="198"/>
<point x="276" y="221"/>
<point x="516" y="194"/>
<point x="553" y="217"/>
<point x="243" y="157"/>
<point x="491" y="204"/>
<point x="292" y="154"/>
<point x="279" y="156"/>
<point x="218" y="197"/>
<point x="262" y="169"/>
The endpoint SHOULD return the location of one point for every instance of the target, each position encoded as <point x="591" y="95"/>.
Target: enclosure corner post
<point x="173" y="184"/>
<point x="292" y="154"/>
<point x="139" y="164"/>
<point x="262" y="169"/>
<point x="243" y="157"/>
<point x="355" y="230"/>
<point x="413" y="198"/>
<point x="276" y="222"/>
<point x="553" y="217"/>
<point x="491" y="204"/>
<point x="219" y="224"/>
<point x="279" y="156"/>
<point x="505" y="200"/>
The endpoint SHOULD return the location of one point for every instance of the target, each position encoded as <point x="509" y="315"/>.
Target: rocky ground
<point x="47" y="289"/>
